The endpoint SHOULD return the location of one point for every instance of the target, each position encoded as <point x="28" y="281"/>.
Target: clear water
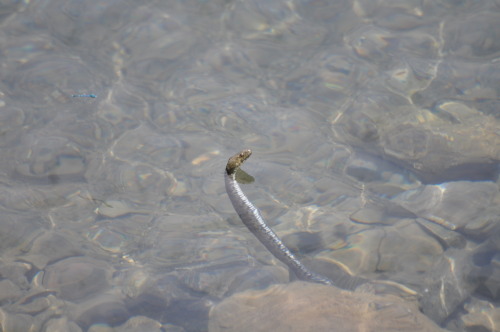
<point x="376" y="139"/>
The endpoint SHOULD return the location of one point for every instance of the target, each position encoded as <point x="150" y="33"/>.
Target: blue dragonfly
<point x="85" y="95"/>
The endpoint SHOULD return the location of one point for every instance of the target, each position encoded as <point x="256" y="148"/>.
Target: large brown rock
<point x="301" y="306"/>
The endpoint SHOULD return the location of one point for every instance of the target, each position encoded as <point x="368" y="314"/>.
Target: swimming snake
<point x="256" y="224"/>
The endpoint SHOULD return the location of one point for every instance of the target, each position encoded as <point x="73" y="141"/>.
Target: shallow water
<point x="376" y="138"/>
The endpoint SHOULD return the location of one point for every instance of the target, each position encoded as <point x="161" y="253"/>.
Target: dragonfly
<point x="85" y="95"/>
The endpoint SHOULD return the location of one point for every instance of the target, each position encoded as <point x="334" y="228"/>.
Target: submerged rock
<point x="449" y="284"/>
<point x="464" y="206"/>
<point x="450" y="143"/>
<point x="302" y="306"/>
<point x="77" y="278"/>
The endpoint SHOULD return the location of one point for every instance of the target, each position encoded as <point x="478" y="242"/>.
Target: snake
<point x="253" y="220"/>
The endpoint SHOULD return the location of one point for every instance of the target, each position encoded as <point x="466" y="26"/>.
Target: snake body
<point x="256" y="224"/>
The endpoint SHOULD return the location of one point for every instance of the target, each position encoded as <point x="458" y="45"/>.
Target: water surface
<point x="375" y="131"/>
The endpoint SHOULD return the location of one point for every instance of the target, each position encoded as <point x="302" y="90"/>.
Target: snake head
<point x="235" y="161"/>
